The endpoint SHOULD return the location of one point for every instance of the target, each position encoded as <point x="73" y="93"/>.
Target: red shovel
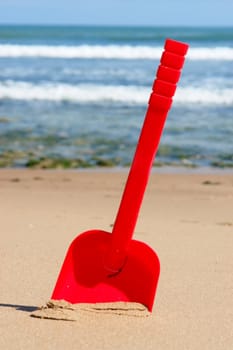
<point x="109" y="267"/>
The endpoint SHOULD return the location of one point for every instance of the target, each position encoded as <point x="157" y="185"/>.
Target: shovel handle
<point x="160" y="101"/>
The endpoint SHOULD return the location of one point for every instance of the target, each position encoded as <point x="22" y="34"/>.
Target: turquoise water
<point x="80" y="93"/>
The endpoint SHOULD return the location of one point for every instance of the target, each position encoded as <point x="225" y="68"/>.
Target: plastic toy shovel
<point x="109" y="267"/>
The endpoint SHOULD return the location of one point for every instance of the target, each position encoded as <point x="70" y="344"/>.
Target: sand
<point x="63" y="310"/>
<point x="186" y="218"/>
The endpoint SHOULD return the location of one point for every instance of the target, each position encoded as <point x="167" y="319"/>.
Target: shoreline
<point x="124" y="169"/>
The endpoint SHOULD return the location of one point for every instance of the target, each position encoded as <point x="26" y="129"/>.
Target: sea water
<point x="81" y="93"/>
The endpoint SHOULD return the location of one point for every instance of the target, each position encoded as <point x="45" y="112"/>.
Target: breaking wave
<point x="109" y="52"/>
<point x="92" y="93"/>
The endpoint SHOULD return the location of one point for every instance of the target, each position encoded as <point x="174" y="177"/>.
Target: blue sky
<point x="118" y="12"/>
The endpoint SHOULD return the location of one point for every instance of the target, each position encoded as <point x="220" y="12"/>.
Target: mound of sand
<point x="62" y="310"/>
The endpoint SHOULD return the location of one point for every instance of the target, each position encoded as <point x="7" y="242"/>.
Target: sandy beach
<point x="186" y="218"/>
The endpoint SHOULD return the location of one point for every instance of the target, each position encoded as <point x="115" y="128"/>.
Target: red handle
<point x="160" y="102"/>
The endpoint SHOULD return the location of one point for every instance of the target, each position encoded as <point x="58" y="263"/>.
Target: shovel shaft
<point x="159" y="104"/>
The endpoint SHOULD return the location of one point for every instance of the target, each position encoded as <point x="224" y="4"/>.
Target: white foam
<point x="205" y="96"/>
<point x="86" y="93"/>
<point x="99" y="94"/>
<point x="109" y="52"/>
<point x="213" y="53"/>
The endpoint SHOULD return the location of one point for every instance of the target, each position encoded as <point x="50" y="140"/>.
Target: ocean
<point x="77" y="96"/>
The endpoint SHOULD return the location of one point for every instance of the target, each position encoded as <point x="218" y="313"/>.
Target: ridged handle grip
<point x="168" y="74"/>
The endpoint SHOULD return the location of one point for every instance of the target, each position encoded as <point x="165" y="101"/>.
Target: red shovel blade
<point x="84" y="277"/>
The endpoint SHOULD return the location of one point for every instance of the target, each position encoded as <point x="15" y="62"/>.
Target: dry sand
<point x="186" y="218"/>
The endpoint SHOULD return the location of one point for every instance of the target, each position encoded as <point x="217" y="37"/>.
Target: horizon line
<point x="118" y="25"/>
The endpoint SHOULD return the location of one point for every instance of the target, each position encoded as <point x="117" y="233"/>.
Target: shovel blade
<point x="84" y="279"/>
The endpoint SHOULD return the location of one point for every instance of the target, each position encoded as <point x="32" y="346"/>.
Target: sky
<point x="118" y="12"/>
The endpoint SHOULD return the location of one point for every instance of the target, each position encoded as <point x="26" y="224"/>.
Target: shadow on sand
<point x="24" y="308"/>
